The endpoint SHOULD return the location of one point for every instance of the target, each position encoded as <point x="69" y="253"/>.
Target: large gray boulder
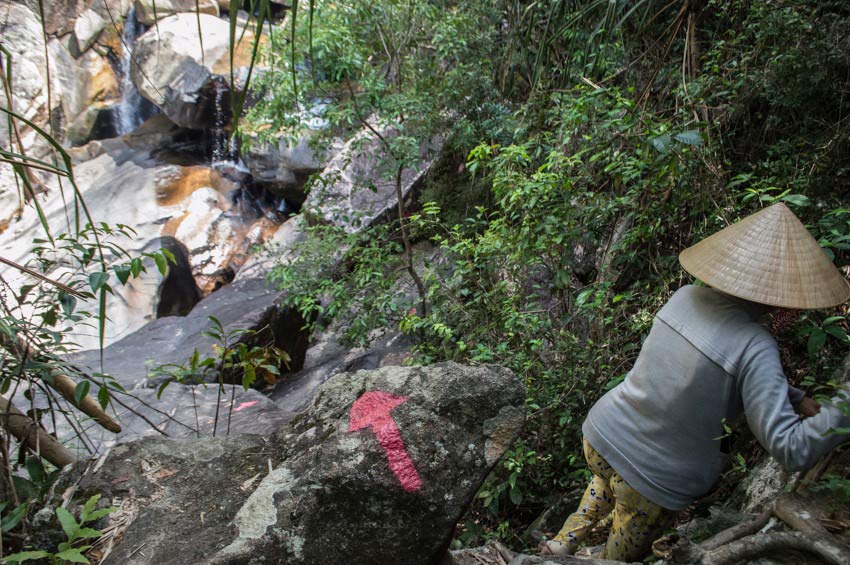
<point x="378" y="470"/>
<point x="145" y="9"/>
<point x="187" y="75"/>
<point x="243" y="305"/>
<point x="87" y="28"/>
<point x="358" y="187"/>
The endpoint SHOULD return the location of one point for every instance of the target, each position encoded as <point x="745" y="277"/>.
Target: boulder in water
<point x="187" y="75"/>
<point x="378" y="470"/>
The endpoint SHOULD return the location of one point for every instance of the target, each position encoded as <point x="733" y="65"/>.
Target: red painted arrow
<point x="373" y="410"/>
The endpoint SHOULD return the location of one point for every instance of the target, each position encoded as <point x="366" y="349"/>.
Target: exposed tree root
<point x="742" y="542"/>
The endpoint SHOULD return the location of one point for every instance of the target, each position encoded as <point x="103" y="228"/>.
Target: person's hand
<point x="807" y="407"/>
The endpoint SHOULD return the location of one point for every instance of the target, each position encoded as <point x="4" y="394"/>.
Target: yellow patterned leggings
<point x="636" y="521"/>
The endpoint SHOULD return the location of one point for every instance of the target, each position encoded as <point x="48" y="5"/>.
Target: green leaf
<point x="661" y="143"/>
<point x="88" y="533"/>
<point x="97" y="514"/>
<point x="81" y="390"/>
<point x="168" y="255"/>
<point x="13" y="518"/>
<point x="123" y="272"/>
<point x="22" y="556"/>
<point x="249" y="377"/>
<point x="97" y="280"/>
<point x="816" y="341"/>
<point x="797" y="200"/>
<point x="103" y="397"/>
<point x="136" y="266"/>
<point x="88" y="508"/>
<point x="161" y="263"/>
<point x="68" y="523"/>
<point x="689" y="137"/>
<point x="35" y="469"/>
<point x="516" y="496"/>
<point x="74" y="555"/>
<point x="68" y="303"/>
<point x="836" y="332"/>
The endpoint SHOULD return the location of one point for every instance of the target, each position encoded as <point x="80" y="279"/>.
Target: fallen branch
<point x="737" y="531"/>
<point x="756" y="545"/>
<point x="64" y="385"/>
<point x="742" y="542"/>
<point x="32" y="436"/>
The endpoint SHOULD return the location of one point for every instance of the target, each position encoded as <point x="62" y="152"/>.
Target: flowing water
<point x="129" y="110"/>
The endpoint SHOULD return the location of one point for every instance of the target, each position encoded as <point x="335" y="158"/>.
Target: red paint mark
<point x="373" y="410"/>
<point x="245" y="405"/>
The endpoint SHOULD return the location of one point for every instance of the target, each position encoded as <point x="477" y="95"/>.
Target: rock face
<point x="283" y="167"/>
<point x="22" y="35"/>
<point x="243" y="305"/>
<point x="87" y="28"/>
<point x="322" y="489"/>
<point x="82" y="82"/>
<point x="188" y="82"/>
<point x="123" y="182"/>
<point x="145" y="9"/>
<point x="356" y="190"/>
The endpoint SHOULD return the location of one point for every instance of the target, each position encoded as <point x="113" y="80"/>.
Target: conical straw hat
<point x="769" y="258"/>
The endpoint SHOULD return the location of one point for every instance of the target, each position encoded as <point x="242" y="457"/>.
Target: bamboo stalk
<point x="32" y="436"/>
<point x="65" y="385"/>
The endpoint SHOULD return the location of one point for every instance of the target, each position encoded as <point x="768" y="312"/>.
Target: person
<point x="653" y="443"/>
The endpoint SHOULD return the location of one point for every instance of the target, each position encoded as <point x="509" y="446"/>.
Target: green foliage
<point x="76" y="532"/>
<point x="421" y="66"/>
<point x="837" y="487"/>
<point x="233" y="360"/>
<point x="352" y="277"/>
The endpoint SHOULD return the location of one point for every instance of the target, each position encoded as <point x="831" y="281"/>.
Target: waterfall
<point x="129" y="115"/>
<point x="220" y="142"/>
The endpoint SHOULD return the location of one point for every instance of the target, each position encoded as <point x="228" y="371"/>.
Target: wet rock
<point x="163" y="8"/>
<point x="357" y="188"/>
<point x="178" y="293"/>
<point x="243" y="305"/>
<point x="190" y="84"/>
<point x="317" y="491"/>
<point x="124" y="184"/>
<point x="277" y="9"/>
<point x="284" y="166"/>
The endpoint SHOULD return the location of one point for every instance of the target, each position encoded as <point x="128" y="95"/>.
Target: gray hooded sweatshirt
<point x="706" y="359"/>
